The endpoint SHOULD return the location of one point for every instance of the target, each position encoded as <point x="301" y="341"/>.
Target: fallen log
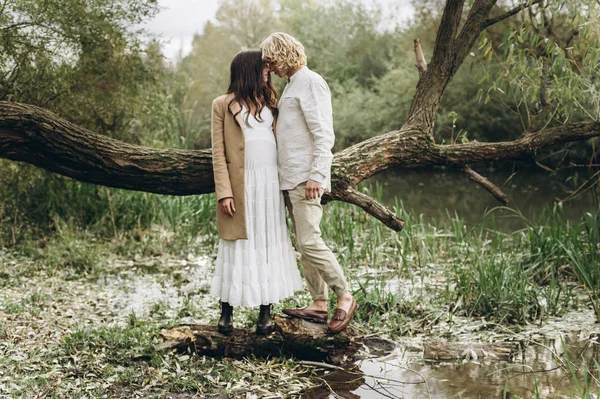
<point x="441" y="350"/>
<point x="292" y="337"/>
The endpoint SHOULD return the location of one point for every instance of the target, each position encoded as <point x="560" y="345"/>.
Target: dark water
<point x="541" y="368"/>
<point x="433" y="193"/>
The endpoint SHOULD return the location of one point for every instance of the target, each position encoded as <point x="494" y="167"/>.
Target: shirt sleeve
<point x="219" y="162"/>
<point x="317" y="110"/>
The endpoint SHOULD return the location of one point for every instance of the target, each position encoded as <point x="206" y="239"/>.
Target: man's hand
<point x="227" y="206"/>
<point x="313" y="190"/>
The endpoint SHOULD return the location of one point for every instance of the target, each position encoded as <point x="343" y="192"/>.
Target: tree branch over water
<point x="37" y="136"/>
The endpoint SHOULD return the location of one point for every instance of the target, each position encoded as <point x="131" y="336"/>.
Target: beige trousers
<point x="321" y="268"/>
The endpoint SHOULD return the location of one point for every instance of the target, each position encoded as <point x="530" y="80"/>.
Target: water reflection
<point x="542" y="366"/>
<point x="433" y="193"/>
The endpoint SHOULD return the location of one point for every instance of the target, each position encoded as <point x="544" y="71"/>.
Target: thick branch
<point x="34" y="135"/>
<point x="292" y="337"/>
<point x="369" y="205"/>
<point x="513" y="11"/>
<point x="447" y="31"/>
<point x="485" y="183"/>
<point x="524" y="147"/>
<point x="472" y="29"/>
<point x="451" y="49"/>
<point x="403" y="149"/>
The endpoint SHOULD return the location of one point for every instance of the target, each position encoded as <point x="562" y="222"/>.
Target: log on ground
<point x="291" y="337"/>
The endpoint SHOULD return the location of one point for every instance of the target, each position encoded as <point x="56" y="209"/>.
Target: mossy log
<point x="291" y="337"/>
<point x="440" y="350"/>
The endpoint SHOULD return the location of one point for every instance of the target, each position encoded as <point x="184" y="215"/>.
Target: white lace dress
<point x="262" y="269"/>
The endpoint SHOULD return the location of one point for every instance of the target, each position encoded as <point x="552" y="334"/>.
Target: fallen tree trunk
<point x="309" y="341"/>
<point x="37" y="136"/>
<point x="292" y="337"/>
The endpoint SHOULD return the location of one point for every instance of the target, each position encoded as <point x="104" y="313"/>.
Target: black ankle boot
<point x="264" y="325"/>
<point x="225" y="325"/>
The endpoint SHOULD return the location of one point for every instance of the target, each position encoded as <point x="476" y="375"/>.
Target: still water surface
<point x="540" y="368"/>
<point x="435" y="193"/>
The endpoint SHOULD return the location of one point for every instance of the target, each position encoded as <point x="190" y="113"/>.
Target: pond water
<point x="540" y="368"/>
<point x="434" y="192"/>
<point x="540" y="364"/>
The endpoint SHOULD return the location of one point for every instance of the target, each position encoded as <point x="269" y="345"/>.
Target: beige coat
<point x="228" y="166"/>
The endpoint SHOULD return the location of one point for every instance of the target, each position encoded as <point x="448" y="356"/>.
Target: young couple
<point x="260" y="169"/>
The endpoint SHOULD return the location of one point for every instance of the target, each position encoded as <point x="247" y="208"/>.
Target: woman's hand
<point x="227" y="206"/>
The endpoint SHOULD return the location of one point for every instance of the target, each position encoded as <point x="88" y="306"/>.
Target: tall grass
<point x="37" y="204"/>
<point x="508" y="277"/>
<point x="583" y="252"/>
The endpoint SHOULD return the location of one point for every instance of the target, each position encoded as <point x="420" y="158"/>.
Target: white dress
<point x="262" y="269"/>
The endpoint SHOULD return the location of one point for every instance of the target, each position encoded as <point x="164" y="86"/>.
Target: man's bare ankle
<point x="319" y="305"/>
<point x="345" y="300"/>
<point x="345" y="297"/>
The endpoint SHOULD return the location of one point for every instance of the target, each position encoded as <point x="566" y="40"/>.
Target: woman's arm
<point x="221" y="174"/>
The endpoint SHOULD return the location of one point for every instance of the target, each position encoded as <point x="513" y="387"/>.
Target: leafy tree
<point x="80" y="58"/>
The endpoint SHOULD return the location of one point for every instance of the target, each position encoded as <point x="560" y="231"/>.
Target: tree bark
<point x="37" y="136"/>
<point x="292" y="337"/>
<point x="311" y="342"/>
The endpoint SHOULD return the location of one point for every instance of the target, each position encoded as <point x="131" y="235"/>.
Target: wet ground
<point x="177" y="290"/>
<point x="552" y="361"/>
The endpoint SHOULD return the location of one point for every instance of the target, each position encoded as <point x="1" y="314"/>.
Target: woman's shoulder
<point x="223" y="100"/>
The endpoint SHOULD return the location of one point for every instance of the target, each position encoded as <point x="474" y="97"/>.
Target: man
<point x="304" y="141"/>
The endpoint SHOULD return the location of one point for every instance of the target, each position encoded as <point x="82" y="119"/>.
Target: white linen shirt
<point x="305" y="131"/>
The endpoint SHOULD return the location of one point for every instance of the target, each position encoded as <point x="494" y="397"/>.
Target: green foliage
<point x="547" y="58"/>
<point x="118" y="343"/>
<point x="80" y="59"/>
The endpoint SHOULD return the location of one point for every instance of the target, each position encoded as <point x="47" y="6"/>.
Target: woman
<point x="255" y="261"/>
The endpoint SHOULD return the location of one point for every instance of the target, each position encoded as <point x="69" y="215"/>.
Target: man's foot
<point x="307" y="313"/>
<point x="343" y="314"/>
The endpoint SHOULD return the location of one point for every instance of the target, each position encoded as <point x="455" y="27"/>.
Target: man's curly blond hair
<point x="284" y="50"/>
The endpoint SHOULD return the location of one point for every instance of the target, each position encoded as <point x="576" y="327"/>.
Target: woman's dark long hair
<point x="248" y="86"/>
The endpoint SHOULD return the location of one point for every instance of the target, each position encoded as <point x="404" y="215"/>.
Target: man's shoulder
<point x="314" y="77"/>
